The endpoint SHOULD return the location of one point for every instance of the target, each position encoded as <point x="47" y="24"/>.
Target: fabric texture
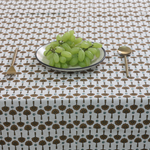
<point x="95" y="109"/>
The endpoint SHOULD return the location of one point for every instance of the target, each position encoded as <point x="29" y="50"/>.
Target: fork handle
<point x="14" y="57"/>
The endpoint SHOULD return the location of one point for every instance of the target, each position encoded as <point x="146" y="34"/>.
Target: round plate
<point x="43" y="60"/>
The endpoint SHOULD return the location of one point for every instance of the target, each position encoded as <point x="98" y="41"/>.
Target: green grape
<point x="72" y="38"/>
<point x="92" y="50"/>
<point x="97" y="53"/>
<point x="62" y="59"/>
<point x="58" y="65"/>
<point x="68" y="59"/>
<point x="97" y="45"/>
<point x="81" y="55"/>
<point x="84" y="44"/>
<point x="47" y="52"/>
<point x="59" y="37"/>
<point x="66" y="36"/>
<point x="75" y="55"/>
<point x="87" y="61"/>
<point x="66" y="47"/>
<point x="59" y="49"/>
<point x="48" y="47"/>
<point x="64" y="65"/>
<point x="54" y="44"/>
<point x="89" y="42"/>
<point x="56" y="58"/>
<point x="66" y="54"/>
<point x="89" y="54"/>
<point x="71" y="32"/>
<point x="73" y="61"/>
<point x="78" y="45"/>
<point x="51" y="62"/>
<point x="50" y="56"/>
<point x="72" y="45"/>
<point x="69" y="42"/>
<point x="82" y="64"/>
<point x="78" y="40"/>
<point x="75" y="50"/>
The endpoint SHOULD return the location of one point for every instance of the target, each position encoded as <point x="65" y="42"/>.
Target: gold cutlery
<point x="11" y="71"/>
<point x="124" y="51"/>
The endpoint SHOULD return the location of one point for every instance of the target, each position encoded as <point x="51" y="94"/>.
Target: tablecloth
<point x="95" y="109"/>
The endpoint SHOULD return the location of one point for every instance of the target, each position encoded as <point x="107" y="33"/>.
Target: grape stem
<point x="87" y="48"/>
<point x="51" y="49"/>
<point x="60" y="42"/>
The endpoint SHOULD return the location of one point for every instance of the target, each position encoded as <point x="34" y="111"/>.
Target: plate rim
<point x="71" y="69"/>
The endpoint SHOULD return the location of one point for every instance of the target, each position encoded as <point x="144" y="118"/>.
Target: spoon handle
<point x="126" y="64"/>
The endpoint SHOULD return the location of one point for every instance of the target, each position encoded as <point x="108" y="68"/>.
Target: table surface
<point x="31" y="24"/>
<point x="92" y="109"/>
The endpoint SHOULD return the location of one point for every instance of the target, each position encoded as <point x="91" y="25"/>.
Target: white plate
<point x="43" y="60"/>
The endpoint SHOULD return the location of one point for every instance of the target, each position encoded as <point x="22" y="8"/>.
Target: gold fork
<point x="11" y="71"/>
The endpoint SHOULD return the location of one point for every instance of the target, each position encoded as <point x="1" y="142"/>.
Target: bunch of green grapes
<point x="68" y="50"/>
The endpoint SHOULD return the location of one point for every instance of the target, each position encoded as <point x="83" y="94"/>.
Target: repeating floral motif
<point x="94" y="109"/>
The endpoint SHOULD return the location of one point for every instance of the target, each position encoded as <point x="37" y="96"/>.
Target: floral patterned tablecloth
<point x="93" y="109"/>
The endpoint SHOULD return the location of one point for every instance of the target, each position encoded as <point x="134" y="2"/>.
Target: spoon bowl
<point x="124" y="50"/>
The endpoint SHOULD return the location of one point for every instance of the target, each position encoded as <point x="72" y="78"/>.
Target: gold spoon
<point x="124" y="51"/>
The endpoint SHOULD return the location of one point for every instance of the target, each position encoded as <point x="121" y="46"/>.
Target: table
<point x="94" y="109"/>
